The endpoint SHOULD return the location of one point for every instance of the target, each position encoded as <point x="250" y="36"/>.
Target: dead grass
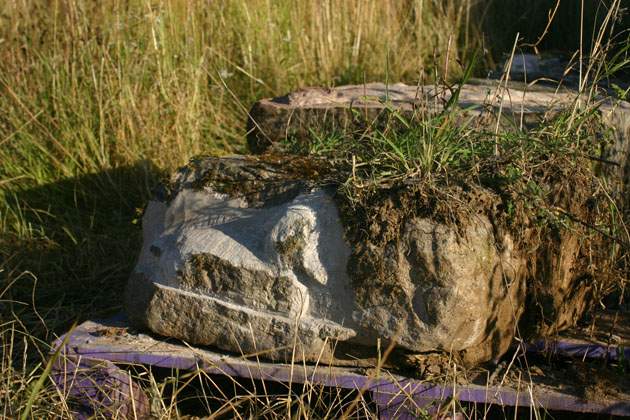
<point x="99" y="99"/>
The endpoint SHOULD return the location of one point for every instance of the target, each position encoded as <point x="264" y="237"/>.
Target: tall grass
<point x="99" y="99"/>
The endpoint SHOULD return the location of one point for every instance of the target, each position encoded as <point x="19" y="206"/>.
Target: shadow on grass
<point x="68" y="247"/>
<point x="501" y="21"/>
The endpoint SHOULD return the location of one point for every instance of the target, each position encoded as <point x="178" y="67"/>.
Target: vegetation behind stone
<point x="99" y="99"/>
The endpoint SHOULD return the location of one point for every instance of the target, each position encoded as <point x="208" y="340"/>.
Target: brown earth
<point x="567" y="265"/>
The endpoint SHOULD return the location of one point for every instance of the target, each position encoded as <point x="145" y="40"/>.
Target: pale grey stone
<point x="269" y="272"/>
<point x="244" y="277"/>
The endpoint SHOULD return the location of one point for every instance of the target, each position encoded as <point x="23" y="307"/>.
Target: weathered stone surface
<point x="243" y="273"/>
<point x="347" y="108"/>
<point x="350" y="108"/>
<point x="447" y="289"/>
<point x="555" y="70"/>
<point x="266" y="267"/>
<point x="617" y="117"/>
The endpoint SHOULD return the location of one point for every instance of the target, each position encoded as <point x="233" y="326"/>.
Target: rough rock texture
<point x="618" y="151"/>
<point x="445" y="288"/>
<point x="243" y="271"/>
<point x="350" y="108"/>
<point x="263" y="266"/>
<point x="553" y="71"/>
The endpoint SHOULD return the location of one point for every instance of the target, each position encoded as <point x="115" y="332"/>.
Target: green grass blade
<point x="38" y="385"/>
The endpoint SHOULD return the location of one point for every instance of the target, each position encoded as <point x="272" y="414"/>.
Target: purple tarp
<point x="86" y="372"/>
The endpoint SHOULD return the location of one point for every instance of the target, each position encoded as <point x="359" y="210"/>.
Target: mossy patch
<point x="291" y="244"/>
<point x="263" y="181"/>
<point x="290" y="249"/>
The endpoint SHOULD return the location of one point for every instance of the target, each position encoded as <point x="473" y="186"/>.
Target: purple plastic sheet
<point x="96" y="386"/>
<point x="86" y="372"/>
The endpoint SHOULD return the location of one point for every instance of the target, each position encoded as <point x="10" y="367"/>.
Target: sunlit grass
<point x="99" y="99"/>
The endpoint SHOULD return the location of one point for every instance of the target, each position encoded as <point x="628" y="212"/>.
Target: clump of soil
<point x="555" y="215"/>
